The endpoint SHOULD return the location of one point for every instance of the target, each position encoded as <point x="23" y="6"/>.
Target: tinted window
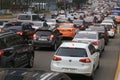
<point x="35" y="17"/>
<point x="24" y="17"/>
<point x="13" y="40"/>
<point x="86" y="36"/>
<point x="43" y="33"/>
<point x="99" y="29"/>
<point x="11" y="25"/>
<point x="108" y="27"/>
<point x="71" y="52"/>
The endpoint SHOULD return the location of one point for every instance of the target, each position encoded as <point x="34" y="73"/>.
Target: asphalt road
<point x="108" y="61"/>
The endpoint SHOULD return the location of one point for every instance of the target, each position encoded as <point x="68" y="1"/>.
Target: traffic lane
<point x="108" y="61"/>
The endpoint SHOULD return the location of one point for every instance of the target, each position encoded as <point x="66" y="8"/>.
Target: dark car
<point x="102" y="30"/>
<point x="47" y="37"/>
<point x="31" y="74"/>
<point x="81" y="24"/>
<point x="15" y="51"/>
<point x="23" y="29"/>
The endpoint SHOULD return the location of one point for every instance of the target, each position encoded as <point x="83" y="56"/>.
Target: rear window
<point x="108" y="27"/>
<point x="11" y="25"/>
<point x="86" y="36"/>
<point x="99" y="29"/>
<point x="71" y="52"/>
<point x="43" y="33"/>
<point x="35" y="18"/>
<point x="66" y="26"/>
<point x="24" y="17"/>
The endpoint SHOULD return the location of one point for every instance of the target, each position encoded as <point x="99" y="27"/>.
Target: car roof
<point x="26" y="74"/>
<point x="75" y="44"/>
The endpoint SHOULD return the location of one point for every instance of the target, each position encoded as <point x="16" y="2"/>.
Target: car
<point x="47" y="37"/>
<point x="28" y="17"/>
<point x="31" y="74"/>
<point x="102" y="31"/>
<point x="91" y="19"/>
<point x="76" y="58"/>
<point x="91" y="36"/>
<point x="23" y="29"/>
<point x="81" y="24"/>
<point x="110" y="28"/>
<point x="51" y="22"/>
<point x="68" y="29"/>
<point x="37" y="24"/>
<point x="15" y="51"/>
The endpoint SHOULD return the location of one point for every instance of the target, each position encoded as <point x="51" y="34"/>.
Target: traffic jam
<point x="77" y="39"/>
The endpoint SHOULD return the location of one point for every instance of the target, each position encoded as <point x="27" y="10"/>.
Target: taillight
<point x="55" y="58"/>
<point x="51" y="37"/>
<point x="112" y="29"/>
<point x="86" y="60"/>
<point x="53" y="24"/>
<point x="104" y="35"/>
<point x="96" y="43"/>
<point x="20" y="33"/>
<point x="1" y="53"/>
<point x="34" y="36"/>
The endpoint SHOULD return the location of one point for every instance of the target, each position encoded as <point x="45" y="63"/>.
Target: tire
<point x="31" y="61"/>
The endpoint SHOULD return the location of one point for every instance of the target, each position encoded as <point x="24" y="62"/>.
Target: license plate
<point x="42" y="39"/>
<point x="70" y="69"/>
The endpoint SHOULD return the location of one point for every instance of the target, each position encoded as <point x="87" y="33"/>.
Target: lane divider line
<point x="117" y="74"/>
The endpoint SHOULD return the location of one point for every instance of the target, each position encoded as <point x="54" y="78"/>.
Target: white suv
<point x="76" y="58"/>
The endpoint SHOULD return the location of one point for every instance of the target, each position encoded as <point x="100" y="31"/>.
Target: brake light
<point x="112" y="29"/>
<point x="96" y="43"/>
<point x="57" y="58"/>
<point x="20" y="33"/>
<point x="34" y="36"/>
<point x="53" y="24"/>
<point x="104" y="35"/>
<point x="1" y="53"/>
<point x="86" y="60"/>
<point x="51" y="37"/>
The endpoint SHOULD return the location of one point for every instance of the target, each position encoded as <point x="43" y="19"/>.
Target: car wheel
<point x="31" y="61"/>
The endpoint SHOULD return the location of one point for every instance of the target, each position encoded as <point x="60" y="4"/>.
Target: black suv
<point x="15" y="51"/>
<point x="23" y="29"/>
<point x="47" y="37"/>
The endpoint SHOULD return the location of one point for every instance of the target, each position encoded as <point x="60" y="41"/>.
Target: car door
<point x="94" y="55"/>
<point x="19" y="49"/>
<point x="102" y="41"/>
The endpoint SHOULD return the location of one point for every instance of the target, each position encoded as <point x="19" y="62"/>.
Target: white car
<point x="76" y="58"/>
<point x="51" y="22"/>
<point x="91" y="36"/>
<point x="37" y="24"/>
<point x="110" y="28"/>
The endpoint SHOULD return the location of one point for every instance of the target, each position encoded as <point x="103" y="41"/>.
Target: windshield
<point x="71" y="52"/>
<point x="66" y="26"/>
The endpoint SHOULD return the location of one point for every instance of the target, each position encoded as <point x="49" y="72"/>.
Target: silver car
<point x="91" y="36"/>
